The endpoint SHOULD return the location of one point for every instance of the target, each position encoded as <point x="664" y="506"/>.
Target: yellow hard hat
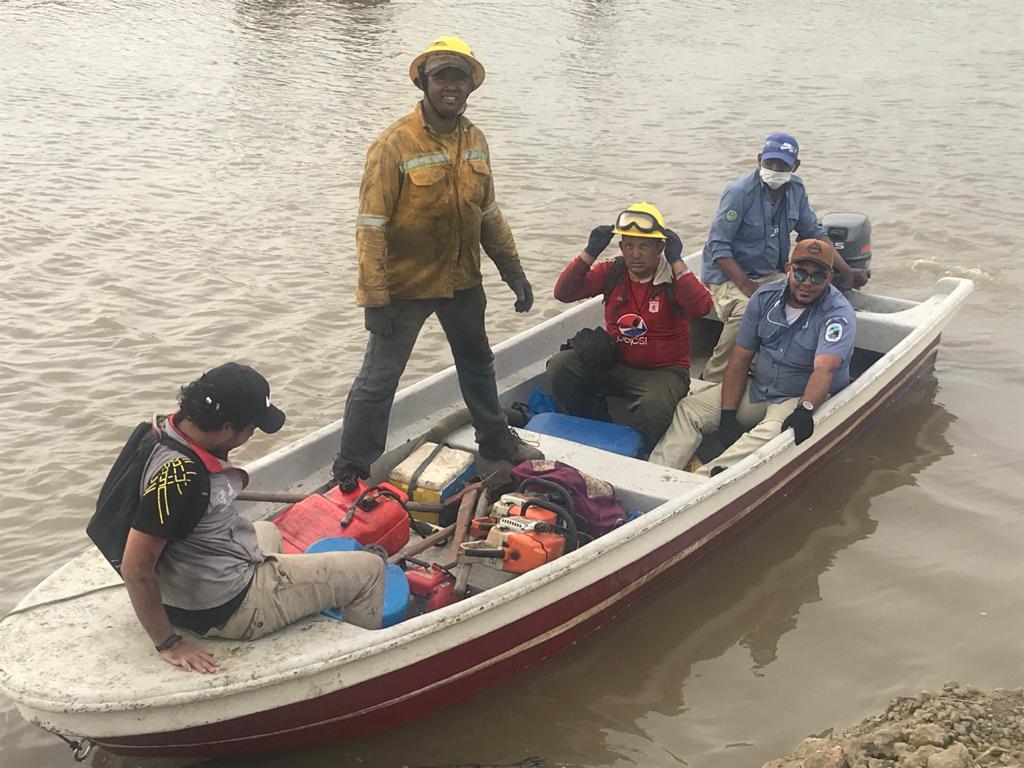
<point x="447" y="44"/>
<point x="641" y="220"/>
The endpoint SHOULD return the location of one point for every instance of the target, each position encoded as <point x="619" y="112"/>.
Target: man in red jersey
<point x="649" y="296"/>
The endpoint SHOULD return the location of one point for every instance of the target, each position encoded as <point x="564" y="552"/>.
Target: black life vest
<point x="119" y="497"/>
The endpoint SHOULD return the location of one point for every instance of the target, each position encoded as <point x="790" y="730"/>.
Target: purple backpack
<point x="597" y="509"/>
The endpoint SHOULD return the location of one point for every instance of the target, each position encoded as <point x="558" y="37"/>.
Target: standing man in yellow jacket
<point x="426" y="208"/>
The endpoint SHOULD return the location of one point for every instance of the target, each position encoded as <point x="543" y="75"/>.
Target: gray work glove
<point x="673" y="247"/>
<point x="524" y="294"/>
<point x="379" y="320"/>
<point x="599" y="239"/>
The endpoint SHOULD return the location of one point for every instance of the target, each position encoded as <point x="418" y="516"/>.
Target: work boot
<point x="508" y="446"/>
<point x="347" y="477"/>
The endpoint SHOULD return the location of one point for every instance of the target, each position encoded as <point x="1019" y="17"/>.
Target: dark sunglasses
<point x="802" y="274"/>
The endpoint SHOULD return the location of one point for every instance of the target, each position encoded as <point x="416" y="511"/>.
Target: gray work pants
<point x="651" y="393"/>
<point x="368" y="408"/>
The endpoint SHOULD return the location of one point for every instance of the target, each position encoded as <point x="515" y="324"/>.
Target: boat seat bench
<point x="638" y="484"/>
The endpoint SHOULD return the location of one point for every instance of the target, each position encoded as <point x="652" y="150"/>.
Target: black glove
<point x="599" y="239"/>
<point x="379" y="320"/>
<point x="524" y="294"/>
<point x="673" y="247"/>
<point x="729" y="429"/>
<point x="802" y="423"/>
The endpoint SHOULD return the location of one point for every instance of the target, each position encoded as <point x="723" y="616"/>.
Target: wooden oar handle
<point x="294" y="498"/>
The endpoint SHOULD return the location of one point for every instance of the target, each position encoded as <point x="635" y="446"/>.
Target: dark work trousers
<point x="368" y="408"/>
<point x="651" y="394"/>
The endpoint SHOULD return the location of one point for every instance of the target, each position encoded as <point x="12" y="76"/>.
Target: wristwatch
<point x="807" y="405"/>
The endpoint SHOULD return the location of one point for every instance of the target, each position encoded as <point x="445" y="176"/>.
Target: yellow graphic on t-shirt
<point x="176" y="474"/>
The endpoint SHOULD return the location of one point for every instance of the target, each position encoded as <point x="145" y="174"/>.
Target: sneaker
<point x="508" y="446"/>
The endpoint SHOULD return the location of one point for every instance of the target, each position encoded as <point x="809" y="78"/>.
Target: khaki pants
<point x="730" y="304"/>
<point x="698" y="415"/>
<point x="287" y="588"/>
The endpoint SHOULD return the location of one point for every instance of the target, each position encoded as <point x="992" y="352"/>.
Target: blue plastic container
<point x="616" y="438"/>
<point x="396" y="586"/>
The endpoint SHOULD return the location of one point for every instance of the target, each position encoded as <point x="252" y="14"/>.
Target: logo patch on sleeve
<point x="834" y="328"/>
<point x="731" y="215"/>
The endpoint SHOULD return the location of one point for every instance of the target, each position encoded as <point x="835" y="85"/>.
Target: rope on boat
<point x="80" y="750"/>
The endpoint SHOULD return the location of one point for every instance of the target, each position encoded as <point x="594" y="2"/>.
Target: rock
<point x="933" y="730"/>
<point x="919" y="759"/>
<point x="929" y="734"/>
<point x="831" y="757"/>
<point x="880" y="742"/>
<point x="809" y="746"/>
<point x="955" y="756"/>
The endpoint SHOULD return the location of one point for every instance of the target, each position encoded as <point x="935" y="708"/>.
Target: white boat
<point x="75" y="661"/>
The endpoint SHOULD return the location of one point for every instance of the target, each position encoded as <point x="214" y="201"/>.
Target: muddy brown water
<point x="178" y="186"/>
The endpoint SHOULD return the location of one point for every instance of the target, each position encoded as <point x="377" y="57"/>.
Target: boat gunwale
<point x="380" y="642"/>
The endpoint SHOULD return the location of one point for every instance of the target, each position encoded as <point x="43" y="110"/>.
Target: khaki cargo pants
<point x="287" y="588"/>
<point x="699" y="414"/>
<point x="730" y="304"/>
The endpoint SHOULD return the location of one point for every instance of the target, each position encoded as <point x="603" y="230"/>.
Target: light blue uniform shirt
<point x="749" y="228"/>
<point x="785" y="353"/>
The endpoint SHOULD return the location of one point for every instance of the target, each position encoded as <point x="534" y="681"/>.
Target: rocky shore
<point x="956" y="727"/>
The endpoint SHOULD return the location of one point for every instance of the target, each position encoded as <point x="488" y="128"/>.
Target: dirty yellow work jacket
<point x="426" y="206"/>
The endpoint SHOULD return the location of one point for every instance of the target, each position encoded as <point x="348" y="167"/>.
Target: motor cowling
<point x="851" y="235"/>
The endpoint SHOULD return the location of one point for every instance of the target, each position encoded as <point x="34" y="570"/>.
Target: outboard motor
<point x="851" y="235"/>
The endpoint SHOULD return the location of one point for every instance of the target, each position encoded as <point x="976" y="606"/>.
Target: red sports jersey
<point x="649" y="328"/>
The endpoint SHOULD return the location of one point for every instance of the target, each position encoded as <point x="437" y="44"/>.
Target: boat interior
<point x="431" y="555"/>
<point x="639" y="485"/>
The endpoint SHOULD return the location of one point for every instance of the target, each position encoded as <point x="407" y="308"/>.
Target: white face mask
<point x="775" y="179"/>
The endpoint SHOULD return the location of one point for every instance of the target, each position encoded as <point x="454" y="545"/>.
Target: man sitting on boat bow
<point x="643" y="352"/>
<point x="802" y="330"/>
<point x="193" y="561"/>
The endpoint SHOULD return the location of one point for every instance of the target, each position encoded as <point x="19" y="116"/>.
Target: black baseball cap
<point x="242" y="395"/>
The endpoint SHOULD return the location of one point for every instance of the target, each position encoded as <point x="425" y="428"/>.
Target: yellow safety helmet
<point x="641" y="220"/>
<point x="447" y="44"/>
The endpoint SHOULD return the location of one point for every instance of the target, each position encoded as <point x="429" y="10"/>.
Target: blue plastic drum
<point x="396" y="586"/>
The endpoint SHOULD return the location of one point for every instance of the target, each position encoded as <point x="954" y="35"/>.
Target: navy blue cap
<point x="780" y="146"/>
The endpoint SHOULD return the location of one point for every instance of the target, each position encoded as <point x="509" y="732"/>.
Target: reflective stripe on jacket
<point x="426" y="206"/>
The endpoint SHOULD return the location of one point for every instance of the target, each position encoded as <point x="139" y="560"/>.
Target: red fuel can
<point x="369" y="515"/>
<point x="435" y="586"/>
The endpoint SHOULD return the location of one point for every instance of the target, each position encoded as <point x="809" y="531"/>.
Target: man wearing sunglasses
<point x="750" y="237"/>
<point x="643" y="351"/>
<point x="802" y="332"/>
<point x="427" y="209"/>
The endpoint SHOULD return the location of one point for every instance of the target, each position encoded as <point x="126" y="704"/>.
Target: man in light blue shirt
<point x="802" y="330"/>
<point x="750" y="236"/>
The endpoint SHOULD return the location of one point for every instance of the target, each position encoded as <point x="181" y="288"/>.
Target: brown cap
<point x="819" y="251"/>
<point x="438" y="61"/>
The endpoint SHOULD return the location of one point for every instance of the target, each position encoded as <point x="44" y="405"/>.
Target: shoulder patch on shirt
<point x="834" y="328"/>
<point x="731" y="215"/>
<point x="169" y="483"/>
